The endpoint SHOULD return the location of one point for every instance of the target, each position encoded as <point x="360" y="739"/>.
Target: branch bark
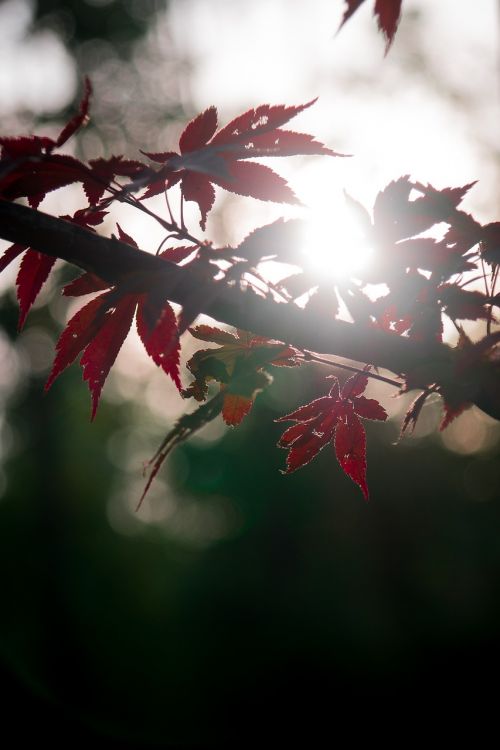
<point x="116" y="262"/>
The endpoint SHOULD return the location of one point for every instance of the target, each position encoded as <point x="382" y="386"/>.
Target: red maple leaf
<point x="34" y="177"/>
<point x="28" y="168"/>
<point x="79" y="332"/>
<point x="10" y="254"/>
<point x="157" y="329"/>
<point x="417" y="300"/>
<point x="35" y="267"/>
<point x="397" y="216"/>
<point x="100" y="328"/>
<point x="333" y="419"/>
<point x="209" y="158"/>
<point x="87" y="283"/>
<point x="33" y="272"/>
<point x="102" y="172"/>
<point x="81" y="117"/>
<point x="400" y="218"/>
<point x="101" y="352"/>
<point x="387" y="13"/>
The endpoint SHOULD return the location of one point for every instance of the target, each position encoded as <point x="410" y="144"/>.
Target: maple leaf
<point x="477" y="374"/>
<point x="387" y="13"/>
<point x="490" y="243"/>
<point x="33" y="272"/>
<point x="209" y="158"/>
<point x="87" y="283"/>
<point x="157" y="324"/>
<point x="101" y="352"/>
<point x="462" y="304"/>
<point x="86" y="217"/>
<point x="157" y="329"/>
<point x="102" y="172"/>
<point x="35" y="267"/>
<point x="100" y="328"/>
<point x="81" y="118"/>
<point x="451" y="410"/>
<point x="418" y="304"/>
<point x="333" y="419"/>
<point x="396" y="216"/>
<point x="10" y="254"/>
<point x="34" y="177"/>
<point x="431" y="255"/>
<point x="79" y="331"/>
<point x="474" y="379"/>
<point x="237" y="365"/>
<point x="28" y="168"/>
<point x="395" y="233"/>
<point x="278" y="241"/>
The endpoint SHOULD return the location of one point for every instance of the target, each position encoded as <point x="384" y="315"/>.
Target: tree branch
<point x="116" y="262"/>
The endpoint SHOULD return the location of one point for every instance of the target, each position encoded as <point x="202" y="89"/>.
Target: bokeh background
<point x="239" y="603"/>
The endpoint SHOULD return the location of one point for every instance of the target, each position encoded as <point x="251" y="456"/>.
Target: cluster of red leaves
<point x="29" y="168"/>
<point x="424" y="275"/>
<point x="209" y="157"/>
<point x="426" y="279"/>
<point x="101" y="326"/>
<point x="333" y="419"/>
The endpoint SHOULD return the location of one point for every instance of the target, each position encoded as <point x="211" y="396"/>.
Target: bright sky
<point x="429" y="109"/>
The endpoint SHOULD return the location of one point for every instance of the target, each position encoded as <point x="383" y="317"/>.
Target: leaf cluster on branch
<point x="292" y="322"/>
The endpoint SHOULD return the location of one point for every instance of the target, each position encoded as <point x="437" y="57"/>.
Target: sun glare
<point x="334" y="243"/>
<point x="334" y="246"/>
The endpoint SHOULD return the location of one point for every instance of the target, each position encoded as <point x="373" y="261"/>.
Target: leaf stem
<point x="311" y="357"/>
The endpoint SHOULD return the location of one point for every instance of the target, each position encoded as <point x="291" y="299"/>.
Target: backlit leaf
<point x="350" y="449"/>
<point x="33" y="272"/>
<point x="77" y="334"/>
<point x="157" y="328"/>
<point x="333" y="419"/>
<point x="101" y="352"/>
<point x="210" y="158"/>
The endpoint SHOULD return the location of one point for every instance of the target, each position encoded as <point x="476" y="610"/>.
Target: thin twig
<point x="311" y="357"/>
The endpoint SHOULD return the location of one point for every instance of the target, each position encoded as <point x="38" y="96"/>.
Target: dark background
<point x="313" y="605"/>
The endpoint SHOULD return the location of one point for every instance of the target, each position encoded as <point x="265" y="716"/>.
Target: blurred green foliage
<point x="135" y="70"/>
<point x="120" y="22"/>
<point x="309" y="597"/>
